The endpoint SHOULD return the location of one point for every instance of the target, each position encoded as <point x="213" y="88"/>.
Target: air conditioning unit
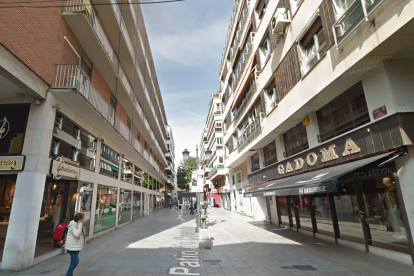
<point x="279" y="20"/>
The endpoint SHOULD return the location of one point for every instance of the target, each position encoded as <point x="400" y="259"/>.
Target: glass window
<point x="322" y="213"/>
<point x="383" y="210"/>
<point x="296" y="140"/>
<point x="238" y="177"/>
<point x="106" y="202"/>
<point x="301" y="203"/>
<point x="255" y="162"/>
<point x="347" y="210"/>
<point x="84" y="203"/>
<point x="312" y="46"/>
<point x="270" y="153"/>
<point x="265" y="49"/>
<point x="124" y="206"/>
<point x="347" y="111"/>
<point x="284" y="216"/>
<point x="136" y="205"/>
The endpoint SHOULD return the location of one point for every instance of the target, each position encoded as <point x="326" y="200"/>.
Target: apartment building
<point x="83" y="126"/>
<point x="318" y="118"/>
<point x="212" y="155"/>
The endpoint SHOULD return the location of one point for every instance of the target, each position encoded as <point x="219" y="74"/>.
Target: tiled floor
<point x="151" y="245"/>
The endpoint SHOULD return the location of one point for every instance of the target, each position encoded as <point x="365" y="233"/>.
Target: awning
<point x="115" y="168"/>
<point x="216" y="198"/>
<point x="315" y="182"/>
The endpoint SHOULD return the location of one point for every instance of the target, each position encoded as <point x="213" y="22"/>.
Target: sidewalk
<point x="156" y="244"/>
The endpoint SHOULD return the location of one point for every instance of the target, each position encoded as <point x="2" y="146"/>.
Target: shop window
<point x="255" y="162"/>
<point x="136" y="205"/>
<point x="284" y="215"/>
<point x="7" y="188"/>
<point x="265" y="49"/>
<point x="323" y="216"/>
<point x="124" y="207"/>
<point x="296" y="140"/>
<point x="312" y="45"/>
<point x="13" y="121"/>
<point x="294" y="5"/>
<point x="344" y="113"/>
<point x="269" y="152"/>
<point x="106" y="202"/>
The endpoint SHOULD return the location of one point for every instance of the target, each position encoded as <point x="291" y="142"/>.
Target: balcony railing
<point x="249" y="130"/>
<point x="269" y="162"/>
<point x="251" y="91"/>
<point x="357" y="13"/>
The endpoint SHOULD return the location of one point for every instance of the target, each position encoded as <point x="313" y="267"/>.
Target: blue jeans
<point x="74" y="261"/>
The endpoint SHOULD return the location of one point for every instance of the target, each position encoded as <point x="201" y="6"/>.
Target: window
<point x="86" y="63"/>
<point x="219" y="141"/>
<point x="233" y="180"/>
<point x="260" y="10"/>
<point x="341" y="6"/>
<point x="296" y="140"/>
<point x="312" y="45"/>
<point x="58" y="121"/>
<point x="106" y="205"/>
<point x="238" y="177"/>
<point x="76" y="132"/>
<point x="271" y="98"/>
<point x="265" y="49"/>
<point x="347" y="111"/>
<point x="113" y="102"/>
<point x="221" y="160"/>
<point x="145" y="145"/>
<point x="128" y="122"/>
<point x="255" y="162"/>
<point x="138" y="135"/>
<point x="294" y="5"/>
<point x="270" y="156"/>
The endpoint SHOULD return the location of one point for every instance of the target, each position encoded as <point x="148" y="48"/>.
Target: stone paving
<point x="157" y="244"/>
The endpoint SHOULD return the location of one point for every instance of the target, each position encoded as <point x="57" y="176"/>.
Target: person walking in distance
<point x="75" y="241"/>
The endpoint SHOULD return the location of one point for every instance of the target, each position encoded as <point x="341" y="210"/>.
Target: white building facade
<point x="318" y="118"/>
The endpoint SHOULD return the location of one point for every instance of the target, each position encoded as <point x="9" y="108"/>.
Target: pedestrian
<point x="170" y="202"/>
<point x="75" y="241"/>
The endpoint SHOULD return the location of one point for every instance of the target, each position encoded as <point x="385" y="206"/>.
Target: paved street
<point x="150" y="246"/>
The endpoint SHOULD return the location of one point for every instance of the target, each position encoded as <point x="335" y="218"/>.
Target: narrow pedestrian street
<point x="152" y="245"/>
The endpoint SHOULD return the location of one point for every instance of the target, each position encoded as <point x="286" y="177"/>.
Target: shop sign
<point x="326" y="154"/>
<point x="59" y="169"/>
<point x="11" y="163"/>
<point x="380" y="112"/>
<point x="374" y="173"/>
<point x="312" y="190"/>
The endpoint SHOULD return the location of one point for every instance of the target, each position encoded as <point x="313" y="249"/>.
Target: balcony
<point x="251" y="91"/>
<point x="215" y="171"/>
<point x="71" y="82"/>
<point x="351" y="18"/>
<point x="249" y="130"/>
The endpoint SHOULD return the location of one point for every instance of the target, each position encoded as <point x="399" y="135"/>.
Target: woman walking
<point x="75" y="241"/>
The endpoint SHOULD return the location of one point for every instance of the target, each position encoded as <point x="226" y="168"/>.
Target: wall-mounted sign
<point x="59" y="169"/>
<point x="380" y="112"/>
<point x="11" y="163"/>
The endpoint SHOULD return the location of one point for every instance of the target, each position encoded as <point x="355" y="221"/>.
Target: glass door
<point x="383" y="214"/>
<point x="284" y="212"/>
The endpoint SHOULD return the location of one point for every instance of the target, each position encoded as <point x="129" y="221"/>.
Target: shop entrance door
<point x="382" y="214"/>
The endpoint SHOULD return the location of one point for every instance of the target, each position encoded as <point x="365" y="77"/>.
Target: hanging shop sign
<point x="11" y="163"/>
<point x="59" y="169"/>
<point x="377" y="172"/>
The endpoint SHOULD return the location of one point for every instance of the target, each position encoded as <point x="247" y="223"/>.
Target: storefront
<point x="348" y="189"/>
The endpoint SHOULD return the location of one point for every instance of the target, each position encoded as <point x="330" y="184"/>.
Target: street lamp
<point x="186" y="154"/>
<point x="208" y="154"/>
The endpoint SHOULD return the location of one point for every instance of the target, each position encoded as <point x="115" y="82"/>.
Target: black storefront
<point x="347" y="188"/>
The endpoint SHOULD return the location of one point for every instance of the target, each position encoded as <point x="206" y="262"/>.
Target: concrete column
<point x="93" y="211"/>
<point x="22" y="230"/>
<point x="405" y="173"/>
<point x="280" y="147"/>
<point x="21" y="237"/>
<point x="118" y="193"/>
<point x="312" y="130"/>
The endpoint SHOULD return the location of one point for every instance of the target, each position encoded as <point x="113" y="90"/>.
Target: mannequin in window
<point x="101" y="209"/>
<point x="394" y="222"/>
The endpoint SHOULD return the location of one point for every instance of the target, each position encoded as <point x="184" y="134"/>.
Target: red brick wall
<point x="288" y="73"/>
<point x="35" y="36"/>
<point x="120" y="111"/>
<point x="100" y="84"/>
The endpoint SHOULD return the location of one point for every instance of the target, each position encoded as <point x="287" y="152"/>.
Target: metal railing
<point x="249" y="130"/>
<point x="251" y="91"/>
<point x="351" y="18"/>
